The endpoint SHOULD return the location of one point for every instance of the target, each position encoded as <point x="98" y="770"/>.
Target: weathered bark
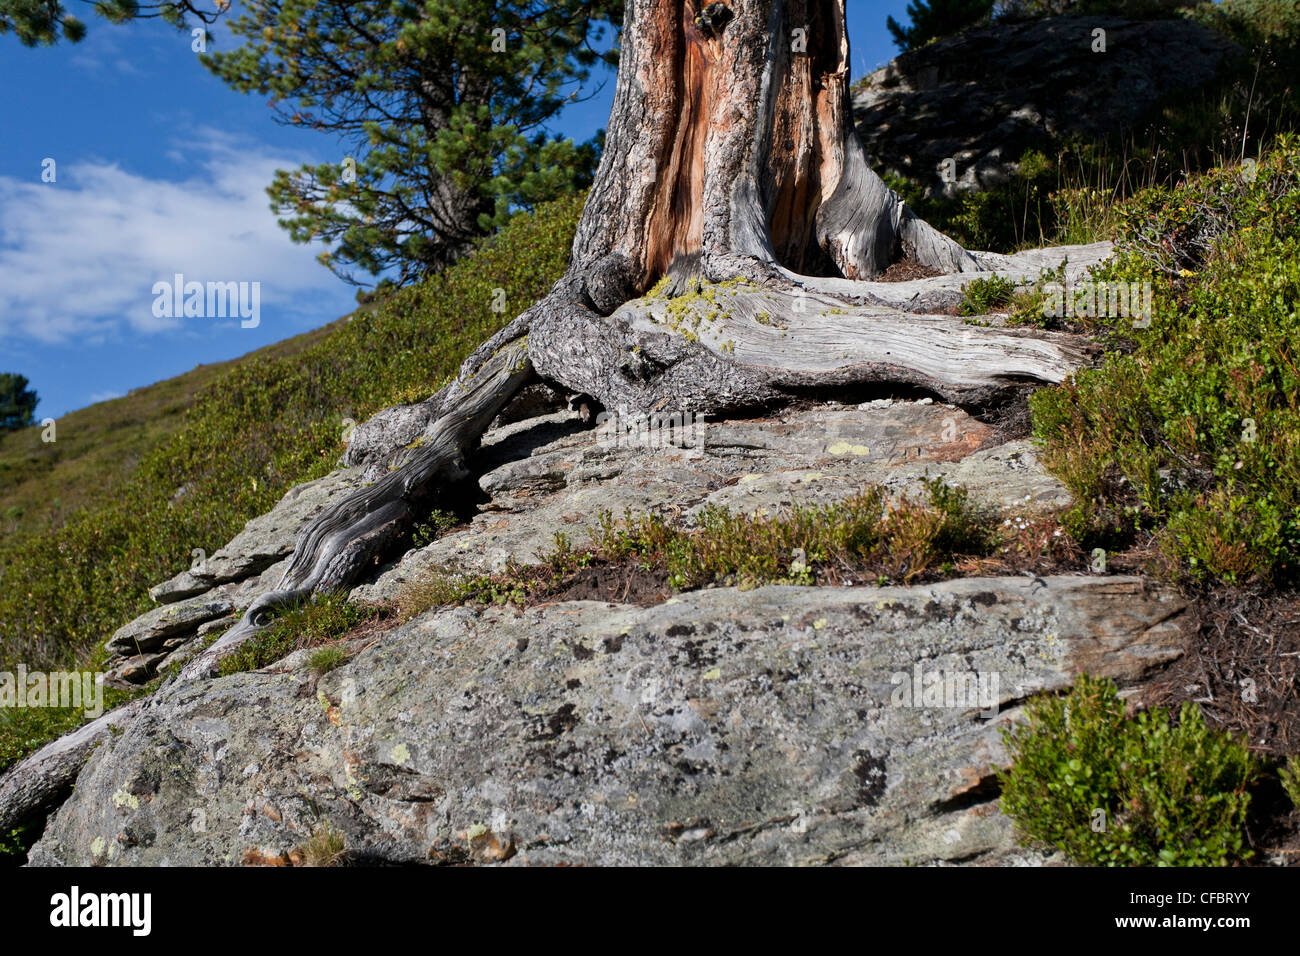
<point x="42" y="781"/>
<point x="735" y="145"/>
<point x="342" y="543"/>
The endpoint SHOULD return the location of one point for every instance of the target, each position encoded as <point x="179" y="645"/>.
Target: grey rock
<point x="555" y="477"/>
<point x="217" y="626"/>
<point x="126" y="667"/>
<point x="134" y="669"/>
<point x="720" y="727"/>
<point x="151" y="629"/>
<point x="987" y="95"/>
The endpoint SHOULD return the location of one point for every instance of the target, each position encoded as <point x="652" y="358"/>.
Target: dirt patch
<point x="906" y="269"/>
<point x="1241" y="666"/>
<point x="620" y="584"/>
<point x="1011" y="419"/>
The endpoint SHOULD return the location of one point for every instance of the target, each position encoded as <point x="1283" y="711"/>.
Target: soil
<point x="906" y="269"/>
<point x="1241" y="666"/>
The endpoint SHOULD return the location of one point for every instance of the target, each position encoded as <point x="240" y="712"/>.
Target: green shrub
<point x="317" y="622"/>
<point x="1289" y="773"/>
<point x="1193" y="432"/>
<point x="1113" y="791"/>
<point x="432" y="528"/>
<point x="855" y="537"/>
<point x="982" y="296"/>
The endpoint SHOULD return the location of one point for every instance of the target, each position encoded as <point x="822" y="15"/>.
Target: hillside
<point x="100" y="446"/>
<point x="256" y="428"/>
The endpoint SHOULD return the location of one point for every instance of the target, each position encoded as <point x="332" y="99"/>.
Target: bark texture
<point x="733" y="148"/>
<point x="42" y="781"/>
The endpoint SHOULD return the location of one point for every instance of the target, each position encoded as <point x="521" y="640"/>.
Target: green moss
<point x="686" y="314"/>
<point x="327" y="659"/>
<point x="1289" y="773"/>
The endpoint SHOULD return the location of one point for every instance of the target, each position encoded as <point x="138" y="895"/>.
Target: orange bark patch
<point x="807" y="153"/>
<point x="676" y="225"/>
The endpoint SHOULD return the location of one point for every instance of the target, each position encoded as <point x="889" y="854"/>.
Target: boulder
<point x="781" y="725"/>
<point x="987" y="95"/>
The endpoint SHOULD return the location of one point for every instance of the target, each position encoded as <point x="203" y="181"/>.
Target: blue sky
<point x="160" y="168"/>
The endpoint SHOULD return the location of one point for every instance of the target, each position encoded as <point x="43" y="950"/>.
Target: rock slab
<point x="772" y="726"/>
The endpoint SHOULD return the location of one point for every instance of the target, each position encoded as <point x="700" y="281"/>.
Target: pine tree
<point x="936" y="18"/>
<point x="43" y="22"/>
<point x="442" y="107"/>
<point x="17" y="402"/>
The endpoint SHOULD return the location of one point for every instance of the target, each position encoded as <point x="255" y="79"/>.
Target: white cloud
<point x="79" y="257"/>
<point x="104" y="396"/>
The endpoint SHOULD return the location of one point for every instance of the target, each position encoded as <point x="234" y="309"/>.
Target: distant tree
<point x="17" y="402"/>
<point x="443" y="107"/>
<point x="936" y="18"/>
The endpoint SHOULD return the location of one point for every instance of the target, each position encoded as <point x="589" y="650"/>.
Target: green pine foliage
<point x="443" y="107"/>
<point x="45" y="22"/>
<point x="931" y="19"/>
<point x="17" y="402"/>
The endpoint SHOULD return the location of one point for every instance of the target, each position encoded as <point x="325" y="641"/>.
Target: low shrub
<point x="1108" y="790"/>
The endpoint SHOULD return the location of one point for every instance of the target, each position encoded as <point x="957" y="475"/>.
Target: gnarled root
<point x="336" y="548"/>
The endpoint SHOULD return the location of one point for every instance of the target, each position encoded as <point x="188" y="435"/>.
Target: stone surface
<point x="551" y="475"/>
<point x="151" y="629"/>
<point x="171" y="628"/>
<point x="721" y="726"/>
<point x="757" y="727"/>
<point x="390" y="428"/>
<point x="987" y="95"/>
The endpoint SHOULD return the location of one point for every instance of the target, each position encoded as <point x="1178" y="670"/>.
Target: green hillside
<point x="43" y="483"/>
<point x="236" y="436"/>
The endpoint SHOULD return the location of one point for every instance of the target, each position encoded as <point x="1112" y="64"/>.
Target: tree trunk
<point x="734" y="144"/>
<point x="732" y="168"/>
